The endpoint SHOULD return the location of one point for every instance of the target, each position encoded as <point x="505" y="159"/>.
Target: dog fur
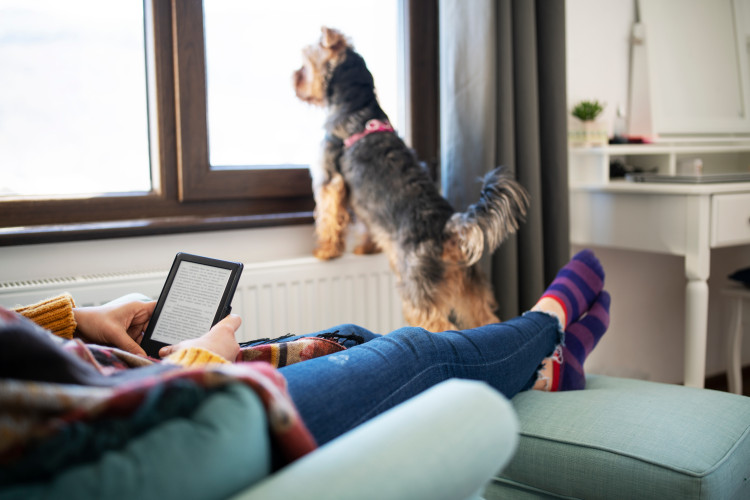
<point x="432" y="249"/>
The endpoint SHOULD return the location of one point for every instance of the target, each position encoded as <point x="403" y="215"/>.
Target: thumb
<point x="166" y="351"/>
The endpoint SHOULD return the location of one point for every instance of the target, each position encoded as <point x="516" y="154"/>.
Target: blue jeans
<point x="338" y="392"/>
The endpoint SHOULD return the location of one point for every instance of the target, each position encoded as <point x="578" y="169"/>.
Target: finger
<point x="132" y="347"/>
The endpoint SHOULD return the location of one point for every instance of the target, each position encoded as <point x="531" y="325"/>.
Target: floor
<point x="719" y="382"/>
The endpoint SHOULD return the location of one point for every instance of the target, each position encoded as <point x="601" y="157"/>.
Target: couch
<point x="445" y="443"/>
<point x="619" y="438"/>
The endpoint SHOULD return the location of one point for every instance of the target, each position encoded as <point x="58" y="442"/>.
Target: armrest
<point x="444" y="443"/>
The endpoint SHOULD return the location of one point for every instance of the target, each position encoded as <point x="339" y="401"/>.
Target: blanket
<point x="284" y="351"/>
<point x="65" y="402"/>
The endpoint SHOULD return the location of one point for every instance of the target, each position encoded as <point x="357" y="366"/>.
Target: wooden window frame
<point x="188" y="195"/>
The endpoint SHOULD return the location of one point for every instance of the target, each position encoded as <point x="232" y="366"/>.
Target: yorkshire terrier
<point x="366" y="169"/>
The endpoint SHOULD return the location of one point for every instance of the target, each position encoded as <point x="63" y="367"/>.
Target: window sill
<point x="56" y="233"/>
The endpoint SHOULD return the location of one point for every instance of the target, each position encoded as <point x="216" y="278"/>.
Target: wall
<point x="149" y="253"/>
<point x="646" y="334"/>
<point x="598" y="52"/>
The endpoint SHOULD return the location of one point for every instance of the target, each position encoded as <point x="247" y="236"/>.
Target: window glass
<point x="252" y="49"/>
<point x="73" y="112"/>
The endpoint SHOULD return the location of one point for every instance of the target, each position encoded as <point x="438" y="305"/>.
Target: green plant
<point x="587" y="110"/>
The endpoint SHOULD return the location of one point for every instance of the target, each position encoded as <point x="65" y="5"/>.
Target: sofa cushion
<point x="623" y="438"/>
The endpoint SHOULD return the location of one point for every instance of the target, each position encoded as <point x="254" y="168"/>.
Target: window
<point x="243" y="107"/>
<point x="187" y="188"/>
<point x="74" y="96"/>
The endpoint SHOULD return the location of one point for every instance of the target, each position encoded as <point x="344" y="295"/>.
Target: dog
<point x="368" y="173"/>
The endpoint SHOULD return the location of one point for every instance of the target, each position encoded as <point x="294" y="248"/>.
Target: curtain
<point x="503" y="102"/>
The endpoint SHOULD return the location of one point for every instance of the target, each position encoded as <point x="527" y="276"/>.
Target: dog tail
<point x="501" y="208"/>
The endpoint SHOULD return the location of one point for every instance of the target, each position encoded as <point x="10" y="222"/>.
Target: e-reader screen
<point x="197" y="294"/>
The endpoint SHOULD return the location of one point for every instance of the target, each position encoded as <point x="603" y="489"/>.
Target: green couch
<point x="619" y="438"/>
<point x="444" y="443"/>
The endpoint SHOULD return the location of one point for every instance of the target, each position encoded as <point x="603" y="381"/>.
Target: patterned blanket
<point x="65" y="402"/>
<point x="281" y="353"/>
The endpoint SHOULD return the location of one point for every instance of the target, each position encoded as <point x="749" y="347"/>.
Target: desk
<point x="676" y="219"/>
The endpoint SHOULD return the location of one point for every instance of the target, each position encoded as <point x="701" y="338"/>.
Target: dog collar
<point x="370" y="127"/>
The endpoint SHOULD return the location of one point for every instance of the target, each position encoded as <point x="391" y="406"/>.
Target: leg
<point x="696" y="332"/>
<point x="338" y="392"/>
<point x="472" y="299"/>
<point x="429" y="317"/>
<point x="331" y="218"/>
<point x="425" y="287"/>
<point x="734" y="345"/>
<point x="365" y="243"/>
<point x="697" y="272"/>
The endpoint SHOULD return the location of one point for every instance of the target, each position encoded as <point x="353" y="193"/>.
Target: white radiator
<point x="296" y="296"/>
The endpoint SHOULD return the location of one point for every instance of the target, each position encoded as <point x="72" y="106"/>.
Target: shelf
<point x="589" y="166"/>
<point x="649" y="149"/>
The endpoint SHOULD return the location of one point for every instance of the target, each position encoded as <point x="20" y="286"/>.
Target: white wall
<point x="646" y="334"/>
<point x="151" y="253"/>
<point x="598" y="52"/>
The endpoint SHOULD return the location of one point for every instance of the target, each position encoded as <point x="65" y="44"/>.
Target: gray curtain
<point x="503" y="102"/>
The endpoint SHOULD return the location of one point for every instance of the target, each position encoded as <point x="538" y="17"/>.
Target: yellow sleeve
<point x="54" y="314"/>
<point x="194" y="356"/>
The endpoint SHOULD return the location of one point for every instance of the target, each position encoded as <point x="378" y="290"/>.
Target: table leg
<point x="696" y="332"/>
<point x="734" y="346"/>
<point x="697" y="271"/>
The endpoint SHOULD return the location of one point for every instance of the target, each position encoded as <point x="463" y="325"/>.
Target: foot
<point x="574" y="289"/>
<point x="563" y="371"/>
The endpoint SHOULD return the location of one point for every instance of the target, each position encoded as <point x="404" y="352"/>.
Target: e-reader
<point x="197" y="295"/>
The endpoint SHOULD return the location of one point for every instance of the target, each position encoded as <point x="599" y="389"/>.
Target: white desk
<point x="676" y="219"/>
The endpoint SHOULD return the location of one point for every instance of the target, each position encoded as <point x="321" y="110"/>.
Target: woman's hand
<point x="120" y="325"/>
<point x="219" y="340"/>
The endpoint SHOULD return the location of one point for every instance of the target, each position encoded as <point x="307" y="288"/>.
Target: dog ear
<point x="332" y="39"/>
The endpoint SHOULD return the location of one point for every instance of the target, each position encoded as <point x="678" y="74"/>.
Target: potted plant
<point x="586" y="130"/>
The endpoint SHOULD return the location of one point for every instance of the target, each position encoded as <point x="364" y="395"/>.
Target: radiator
<point x="298" y="296"/>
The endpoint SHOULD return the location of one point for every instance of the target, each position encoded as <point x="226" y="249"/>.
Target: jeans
<point x="338" y="392"/>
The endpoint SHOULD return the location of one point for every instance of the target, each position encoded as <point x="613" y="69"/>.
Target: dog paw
<point x="327" y="253"/>
<point x="366" y="248"/>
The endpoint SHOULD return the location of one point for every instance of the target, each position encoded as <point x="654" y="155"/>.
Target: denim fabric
<point x="335" y="393"/>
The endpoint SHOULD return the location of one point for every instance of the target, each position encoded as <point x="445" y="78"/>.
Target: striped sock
<point x="580" y="339"/>
<point x="577" y="285"/>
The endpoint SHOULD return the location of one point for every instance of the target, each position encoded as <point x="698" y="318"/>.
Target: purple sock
<point x="577" y="285"/>
<point x="580" y="339"/>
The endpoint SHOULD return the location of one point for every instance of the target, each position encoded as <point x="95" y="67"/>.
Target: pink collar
<point x="370" y="127"/>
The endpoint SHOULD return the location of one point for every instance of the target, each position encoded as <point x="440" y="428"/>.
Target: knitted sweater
<point x="56" y="315"/>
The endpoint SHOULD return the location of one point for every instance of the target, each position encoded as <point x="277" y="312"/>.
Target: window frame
<point x="188" y="195"/>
